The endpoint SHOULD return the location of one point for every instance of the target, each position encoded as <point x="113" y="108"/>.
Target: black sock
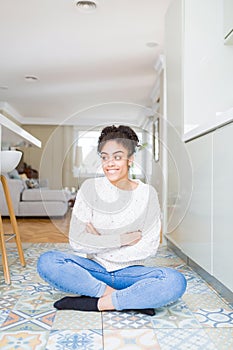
<point x="82" y="303"/>
<point x="85" y="303"/>
<point x="150" y="312"/>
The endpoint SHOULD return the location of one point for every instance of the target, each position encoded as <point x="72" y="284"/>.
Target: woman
<point x="116" y="222"/>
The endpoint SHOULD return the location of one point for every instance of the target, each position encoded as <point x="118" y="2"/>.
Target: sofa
<point x="34" y="201"/>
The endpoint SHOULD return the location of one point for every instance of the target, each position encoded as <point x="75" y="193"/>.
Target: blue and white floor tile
<point x="215" y="317"/>
<point x="204" y="301"/>
<point x="175" y="316"/>
<point x="91" y="339"/>
<point x="201" y="320"/>
<point x="126" y="320"/>
<point x="221" y="337"/>
<point x="69" y="319"/>
<point x="184" y="339"/>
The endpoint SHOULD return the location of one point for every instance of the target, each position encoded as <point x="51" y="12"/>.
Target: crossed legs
<point x="134" y="287"/>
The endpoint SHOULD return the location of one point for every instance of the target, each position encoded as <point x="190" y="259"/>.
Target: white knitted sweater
<point x="113" y="211"/>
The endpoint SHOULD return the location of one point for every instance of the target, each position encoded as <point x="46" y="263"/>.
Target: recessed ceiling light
<point x="152" y="44"/>
<point x="87" y="6"/>
<point x="31" y="78"/>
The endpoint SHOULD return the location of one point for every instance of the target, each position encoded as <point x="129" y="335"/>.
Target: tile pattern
<point x="221" y="337"/>
<point x="176" y="315"/>
<point x="69" y="319"/>
<point x="215" y="317"/>
<point x="125" y="320"/>
<point x="75" y="339"/>
<point x="26" y="340"/>
<point x="130" y="339"/>
<point x="28" y="320"/>
<point x="202" y="319"/>
<point x="188" y="339"/>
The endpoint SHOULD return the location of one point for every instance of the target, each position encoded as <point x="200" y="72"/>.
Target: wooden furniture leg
<point x="14" y="224"/>
<point x="4" y="255"/>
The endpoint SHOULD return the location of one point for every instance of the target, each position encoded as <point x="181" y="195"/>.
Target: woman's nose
<point x="111" y="161"/>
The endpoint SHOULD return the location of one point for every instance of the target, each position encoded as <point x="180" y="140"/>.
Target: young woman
<point x="116" y="224"/>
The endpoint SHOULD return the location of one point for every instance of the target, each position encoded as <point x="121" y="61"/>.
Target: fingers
<point x="135" y="242"/>
<point x="88" y="228"/>
<point x="137" y="238"/>
<point x="91" y="229"/>
<point x="130" y="238"/>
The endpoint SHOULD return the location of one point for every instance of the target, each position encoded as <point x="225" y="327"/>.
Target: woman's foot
<point x="105" y="303"/>
<point x="85" y="303"/>
<point x="82" y="303"/>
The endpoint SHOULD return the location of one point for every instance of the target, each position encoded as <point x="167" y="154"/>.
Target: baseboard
<point x="226" y="293"/>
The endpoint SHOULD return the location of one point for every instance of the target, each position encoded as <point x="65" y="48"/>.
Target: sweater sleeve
<point x="150" y="240"/>
<point x="83" y="241"/>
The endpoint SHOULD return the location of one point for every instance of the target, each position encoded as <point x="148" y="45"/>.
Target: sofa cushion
<point x="15" y="187"/>
<point x="35" y="195"/>
<point x="49" y="208"/>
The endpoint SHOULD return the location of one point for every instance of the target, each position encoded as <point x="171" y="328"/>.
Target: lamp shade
<point x="9" y="160"/>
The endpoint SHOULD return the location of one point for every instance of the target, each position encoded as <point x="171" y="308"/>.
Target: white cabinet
<point x="228" y="21"/>
<point x="199" y="215"/>
<point x="223" y="205"/>
<point x="193" y="235"/>
<point x="206" y="233"/>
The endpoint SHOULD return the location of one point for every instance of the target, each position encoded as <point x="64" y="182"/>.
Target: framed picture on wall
<point x="156" y="139"/>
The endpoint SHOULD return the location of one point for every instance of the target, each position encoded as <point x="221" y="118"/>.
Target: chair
<point x="9" y="160"/>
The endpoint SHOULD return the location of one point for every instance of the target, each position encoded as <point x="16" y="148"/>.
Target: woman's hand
<point x="130" y="238"/>
<point x="91" y="229"/>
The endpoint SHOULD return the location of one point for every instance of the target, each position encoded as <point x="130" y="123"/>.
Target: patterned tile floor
<point x="202" y="320"/>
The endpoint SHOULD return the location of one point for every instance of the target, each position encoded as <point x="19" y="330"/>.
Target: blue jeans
<point x="137" y="287"/>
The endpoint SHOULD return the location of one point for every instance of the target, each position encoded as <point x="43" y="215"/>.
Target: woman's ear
<point x="130" y="161"/>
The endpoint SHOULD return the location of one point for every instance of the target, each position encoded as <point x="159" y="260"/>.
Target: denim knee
<point x="45" y="261"/>
<point x="179" y="282"/>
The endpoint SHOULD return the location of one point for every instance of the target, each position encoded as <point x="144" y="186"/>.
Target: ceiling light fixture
<point x="31" y="78"/>
<point x="152" y="44"/>
<point x="86" y="6"/>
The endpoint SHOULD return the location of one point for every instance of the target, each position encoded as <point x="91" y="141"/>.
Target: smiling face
<point x="115" y="162"/>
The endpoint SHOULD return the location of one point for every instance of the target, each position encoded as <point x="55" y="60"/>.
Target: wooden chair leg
<point x="4" y="255"/>
<point x="161" y="236"/>
<point x="13" y="219"/>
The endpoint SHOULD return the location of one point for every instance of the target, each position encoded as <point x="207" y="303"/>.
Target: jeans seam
<point x="66" y="290"/>
<point x="125" y="292"/>
<point x="84" y="267"/>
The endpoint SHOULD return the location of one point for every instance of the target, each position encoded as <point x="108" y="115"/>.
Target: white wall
<point x="208" y="63"/>
<point x="179" y="169"/>
<point x="54" y="159"/>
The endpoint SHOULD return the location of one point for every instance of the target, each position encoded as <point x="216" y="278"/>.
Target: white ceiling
<point x="92" y="67"/>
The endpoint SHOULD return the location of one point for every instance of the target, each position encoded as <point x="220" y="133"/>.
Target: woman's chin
<point x="112" y="178"/>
